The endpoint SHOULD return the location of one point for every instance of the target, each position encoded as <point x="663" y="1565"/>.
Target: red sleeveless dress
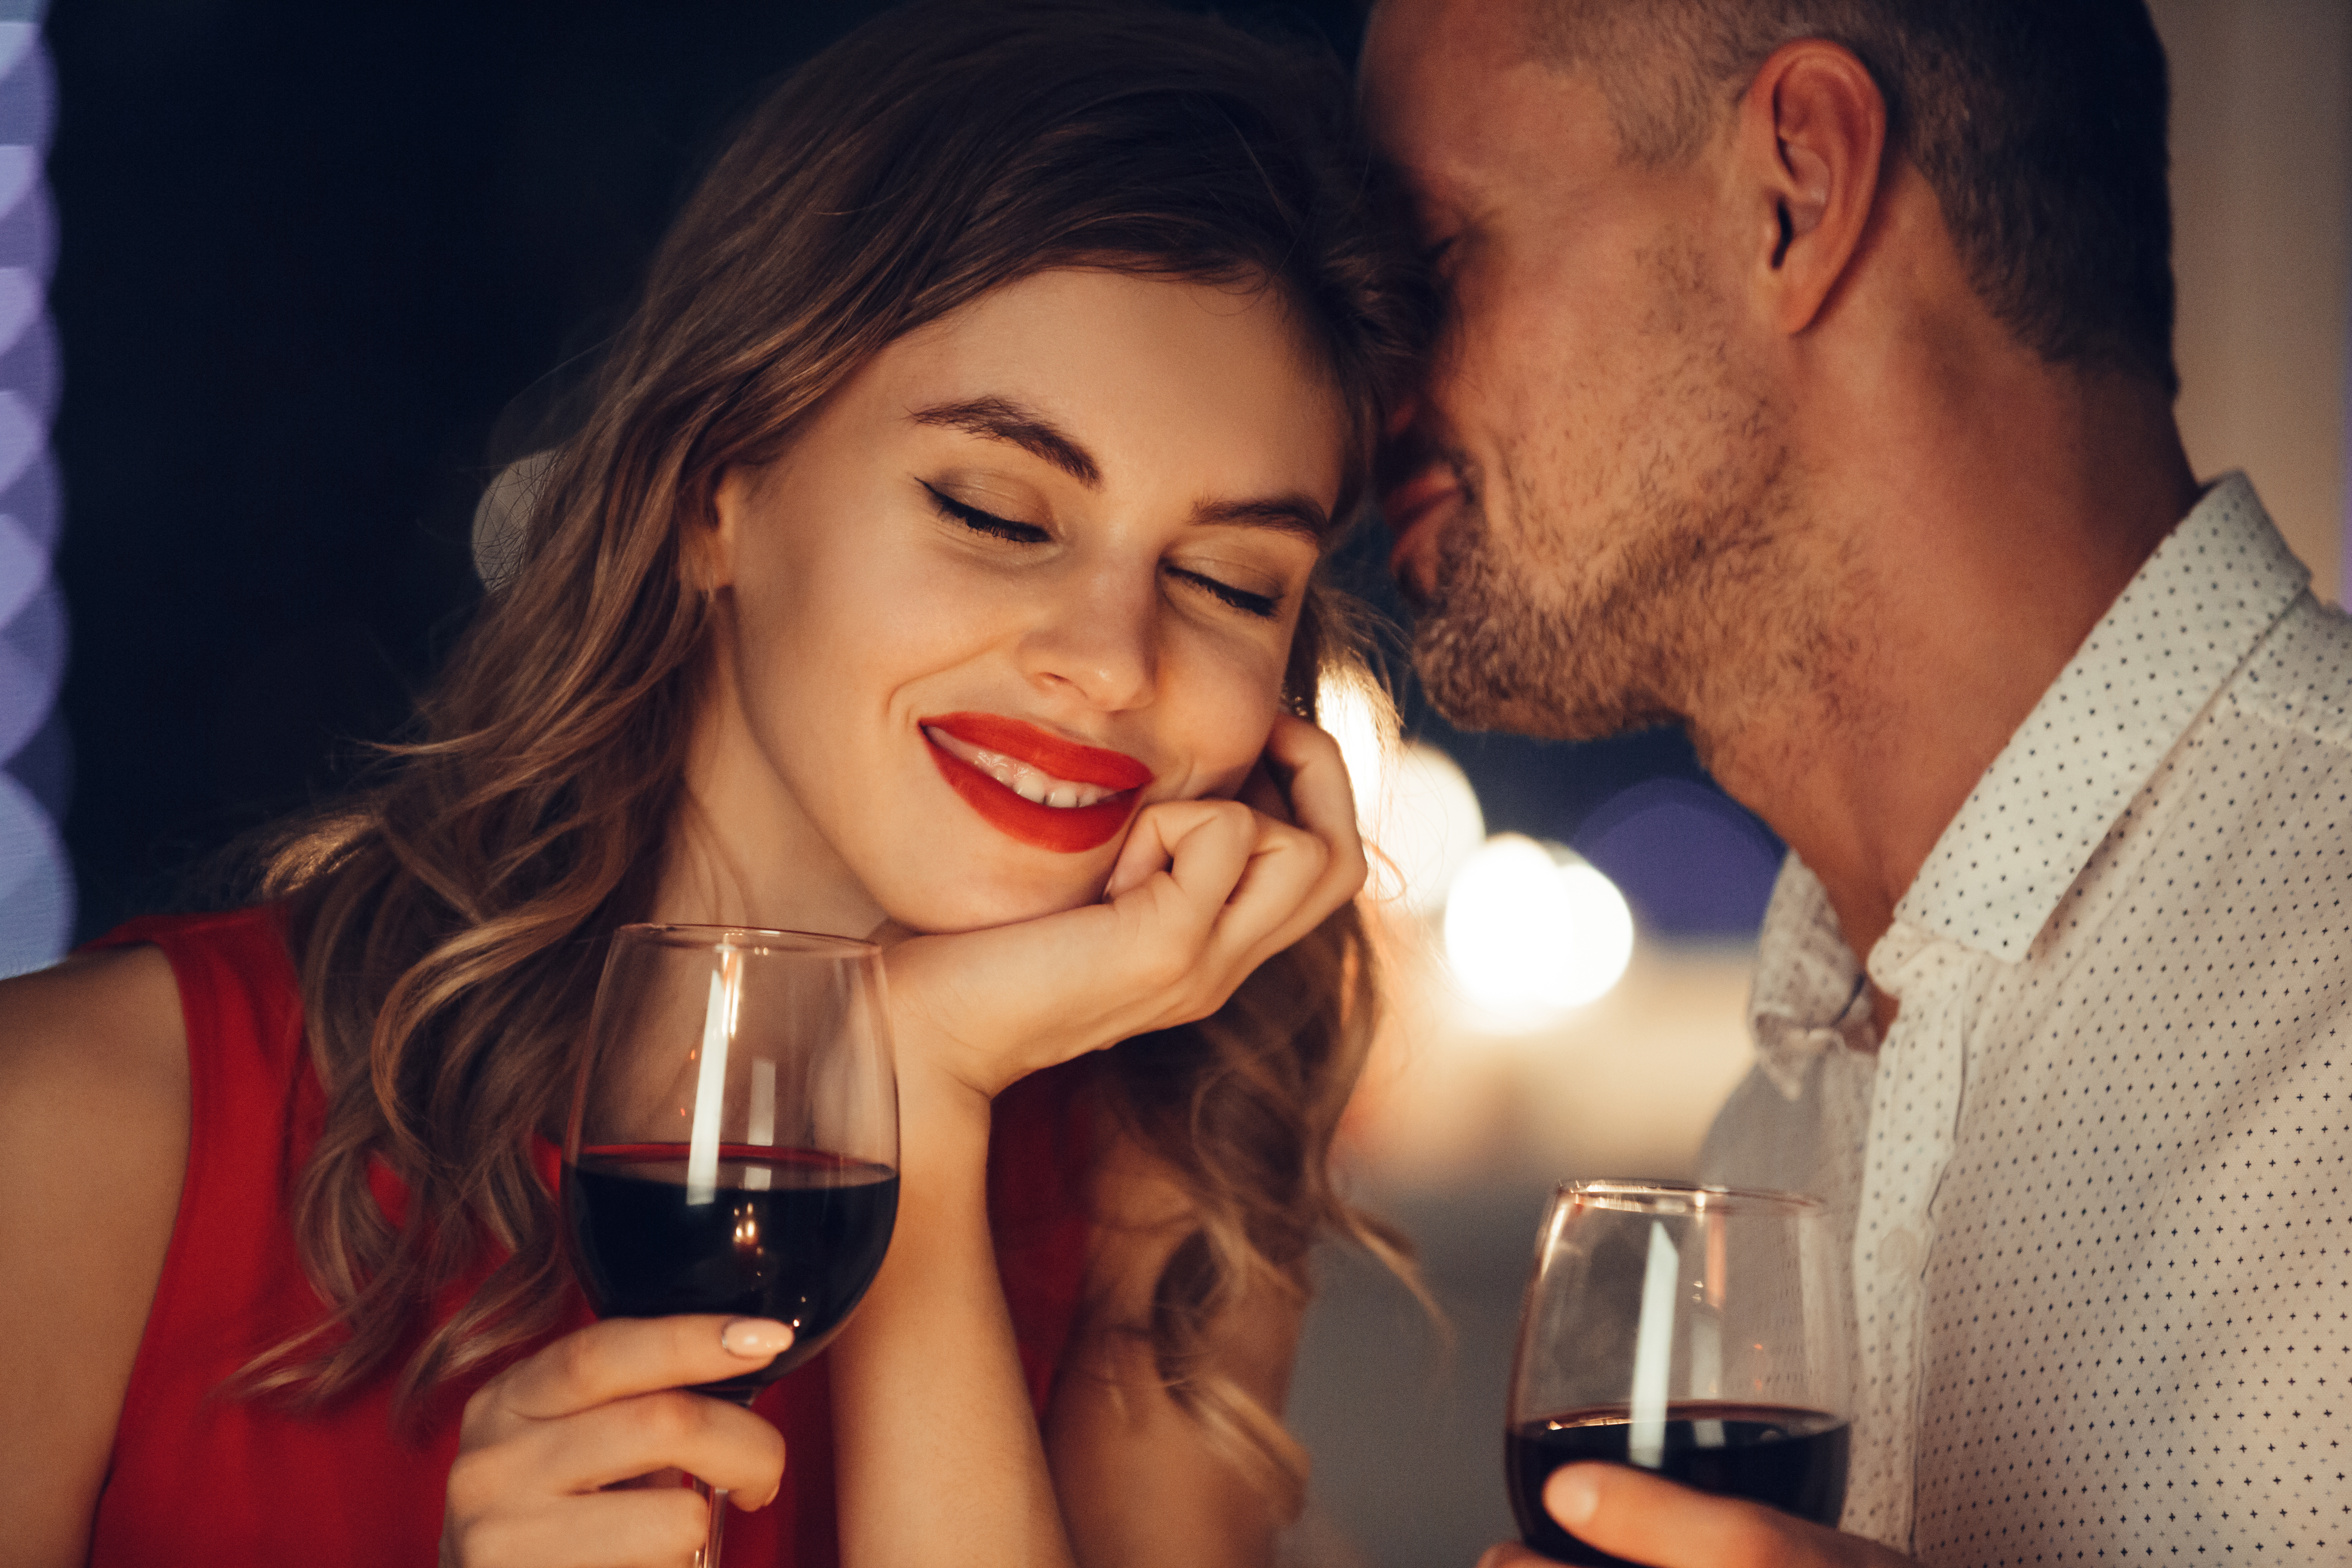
<point x="199" y="1477"/>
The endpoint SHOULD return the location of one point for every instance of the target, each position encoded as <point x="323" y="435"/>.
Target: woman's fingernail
<point x="754" y="1339"/>
<point x="1572" y="1494"/>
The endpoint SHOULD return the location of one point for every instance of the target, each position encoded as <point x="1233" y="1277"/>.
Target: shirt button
<point x="1899" y="1253"/>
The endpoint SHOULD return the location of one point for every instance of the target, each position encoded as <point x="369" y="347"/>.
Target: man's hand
<point x="1643" y="1519"/>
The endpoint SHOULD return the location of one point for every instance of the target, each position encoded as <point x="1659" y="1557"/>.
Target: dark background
<point x="306" y="254"/>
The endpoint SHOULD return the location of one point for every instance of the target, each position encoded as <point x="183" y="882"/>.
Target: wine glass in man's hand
<point x="1698" y="1332"/>
<point x="733" y="1146"/>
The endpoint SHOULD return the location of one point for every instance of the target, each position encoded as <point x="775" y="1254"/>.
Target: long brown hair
<point x="449" y="922"/>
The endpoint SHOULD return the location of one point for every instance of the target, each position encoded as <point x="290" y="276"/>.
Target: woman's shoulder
<point x="94" y="1097"/>
<point x="102" y="1027"/>
<point x="94" y="1073"/>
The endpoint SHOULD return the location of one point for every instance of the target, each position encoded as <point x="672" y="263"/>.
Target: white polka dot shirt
<point x="2096" y="1173"/>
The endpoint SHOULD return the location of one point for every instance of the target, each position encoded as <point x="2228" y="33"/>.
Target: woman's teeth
<point x="1028" y="782"/>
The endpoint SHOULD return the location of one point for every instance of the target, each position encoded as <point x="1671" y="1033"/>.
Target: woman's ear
<point x="707" y="547"/>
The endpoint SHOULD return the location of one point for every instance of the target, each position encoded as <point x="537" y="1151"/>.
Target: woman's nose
<point x="1099" y="640"/>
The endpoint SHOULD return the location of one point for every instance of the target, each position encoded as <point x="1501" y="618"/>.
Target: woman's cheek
<point x="1240" y="741"/>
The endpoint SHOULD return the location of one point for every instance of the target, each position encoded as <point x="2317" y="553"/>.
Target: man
<point x="1810" y="384"/>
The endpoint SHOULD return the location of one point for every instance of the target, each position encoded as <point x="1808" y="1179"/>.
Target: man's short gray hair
<point x="2039" y="123"/>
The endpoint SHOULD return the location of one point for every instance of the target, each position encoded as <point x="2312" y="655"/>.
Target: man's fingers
<point x="1639" y="1517"/>
<point x="620" y="1357"/>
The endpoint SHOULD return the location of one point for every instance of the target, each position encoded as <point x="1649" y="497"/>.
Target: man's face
<point x="1604" y="496"/>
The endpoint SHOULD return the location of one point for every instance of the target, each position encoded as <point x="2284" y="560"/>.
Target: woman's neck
<point x="738" y="850"/>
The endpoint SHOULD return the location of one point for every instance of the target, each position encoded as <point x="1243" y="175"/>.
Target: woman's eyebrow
<point x="1285" y="514"/>
<point x="1002" y="419"/>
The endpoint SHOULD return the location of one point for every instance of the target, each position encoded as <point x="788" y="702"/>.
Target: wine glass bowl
<point x="733" y="1143"/>
<point x="1698" y="1332"/>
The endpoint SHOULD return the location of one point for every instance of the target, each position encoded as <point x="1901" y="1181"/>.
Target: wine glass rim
<point x="1637" y="1196"/>
<point x="748" y="939"/>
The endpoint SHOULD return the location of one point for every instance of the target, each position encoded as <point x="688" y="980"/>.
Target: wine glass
<point x="733" y="1145"/>
<point x="1698" y="1332"/>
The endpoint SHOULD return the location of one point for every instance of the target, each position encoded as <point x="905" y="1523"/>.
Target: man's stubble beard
<point x="1686" y="600"/>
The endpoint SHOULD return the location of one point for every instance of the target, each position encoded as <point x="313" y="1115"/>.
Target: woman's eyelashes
<point x="1260" y="607"/>
<point x="986" y="522"/>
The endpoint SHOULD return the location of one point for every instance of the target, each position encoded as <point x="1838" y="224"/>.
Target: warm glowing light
<point x="1414" y="804"/>
<point x="1357" y="716"/>
<point x="1431" y="827"/>
<point x="1531" y="931"/>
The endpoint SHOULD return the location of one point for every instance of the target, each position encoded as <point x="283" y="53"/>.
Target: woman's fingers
<point x="1297" y="874"/>
<point x="1203" y="846"/>
<point x="613" y="1529"/>
<point x="601" y="1406"/>
<point x="623" y="1356"/>
<point x="1322" y="797"/>
<point x="723" y="1443"/>
<point x="1203" y="892"/>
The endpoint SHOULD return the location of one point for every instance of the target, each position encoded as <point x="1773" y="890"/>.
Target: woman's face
<point x="1034" y="567"/>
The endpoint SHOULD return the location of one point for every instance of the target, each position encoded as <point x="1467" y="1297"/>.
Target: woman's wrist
<point x="942" y="1117"/>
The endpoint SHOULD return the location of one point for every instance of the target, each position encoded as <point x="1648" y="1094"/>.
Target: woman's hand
<point x="607" y="1405"/>
<point x="1202" y="893"/>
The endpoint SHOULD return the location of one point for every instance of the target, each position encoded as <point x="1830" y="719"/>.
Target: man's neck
<point x="1969" y="547"/>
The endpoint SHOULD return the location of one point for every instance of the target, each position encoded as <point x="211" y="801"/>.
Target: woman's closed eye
<point x="1260" y="607"/>
<point x="986" y="522"/>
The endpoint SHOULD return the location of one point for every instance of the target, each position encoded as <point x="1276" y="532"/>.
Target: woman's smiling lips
<point x="1034" y="786"/>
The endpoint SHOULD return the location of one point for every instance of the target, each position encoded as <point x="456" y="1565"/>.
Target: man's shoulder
<point x="2300" y="675"/>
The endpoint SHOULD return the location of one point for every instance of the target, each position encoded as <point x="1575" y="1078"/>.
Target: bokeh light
<point x="36" y="892"/>
<point x="1695" y="866"/>
<point x="1532" y="932"/>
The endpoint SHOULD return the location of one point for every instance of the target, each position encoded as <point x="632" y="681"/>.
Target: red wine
<point x="1793" y="1459"/>
<point x="790" y="1233"/>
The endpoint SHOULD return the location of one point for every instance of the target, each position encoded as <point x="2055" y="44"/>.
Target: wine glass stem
<point x="717" y="1498"/>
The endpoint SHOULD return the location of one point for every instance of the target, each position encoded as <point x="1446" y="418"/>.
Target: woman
<point x="939" y="557"/>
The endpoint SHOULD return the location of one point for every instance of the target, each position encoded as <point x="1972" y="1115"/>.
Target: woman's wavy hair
<point x="449" y="920"/>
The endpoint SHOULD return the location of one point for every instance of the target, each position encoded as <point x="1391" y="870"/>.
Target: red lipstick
<point x="1069" y="829"/>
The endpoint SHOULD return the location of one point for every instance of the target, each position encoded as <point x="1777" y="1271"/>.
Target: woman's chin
<point x="980" y="907"/>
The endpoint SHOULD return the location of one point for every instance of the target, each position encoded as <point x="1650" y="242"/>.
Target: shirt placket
<point x="1913" y="1112"/>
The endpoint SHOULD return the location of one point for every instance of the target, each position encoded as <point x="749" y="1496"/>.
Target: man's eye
<point x="986" y="522"/>
<point x="1260" y="606"/>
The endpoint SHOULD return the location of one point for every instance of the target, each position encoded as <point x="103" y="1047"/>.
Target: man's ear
<point x="1813" y="133"/>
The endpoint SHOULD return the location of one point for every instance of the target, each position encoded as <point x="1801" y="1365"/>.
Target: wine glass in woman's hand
<point x="1700" y="1334"/>
<point x="733" y="1146"/>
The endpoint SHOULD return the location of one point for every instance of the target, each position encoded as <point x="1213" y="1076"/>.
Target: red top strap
<point x="199" y="1473"/>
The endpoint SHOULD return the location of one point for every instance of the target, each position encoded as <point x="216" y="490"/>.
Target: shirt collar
<point x="1808" y="993"/>
<point x="2183" y="625"/>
